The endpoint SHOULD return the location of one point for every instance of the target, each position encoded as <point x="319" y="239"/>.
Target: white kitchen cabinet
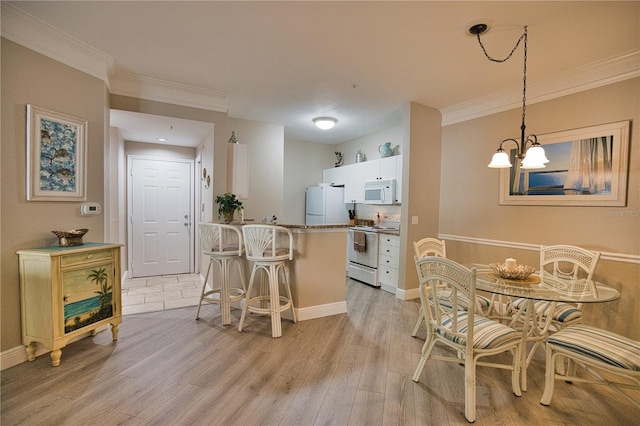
<point x="66" y="292"/>
<point x="398" y="179"/>
<point x="388" y="260"/>
<point x="381" y="169"/>
<point x="238" y="170"/>
<point x="354" y="185"/>
<point x="335" y="176"/>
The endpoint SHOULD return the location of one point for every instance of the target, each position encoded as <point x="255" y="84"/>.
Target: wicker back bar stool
<point x="268" y="247"/>
<point x="223" y="244"/>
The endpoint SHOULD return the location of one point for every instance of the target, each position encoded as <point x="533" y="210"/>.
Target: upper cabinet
<point x="238" y="170"/>
<point x="398" y="178"/>
<point x="353" y="176"/>
<point x="381" y="169"/>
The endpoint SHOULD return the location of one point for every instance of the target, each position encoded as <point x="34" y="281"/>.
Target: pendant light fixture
<point x="534" y="157"/>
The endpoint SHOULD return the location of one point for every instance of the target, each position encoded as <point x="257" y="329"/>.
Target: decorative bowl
<point x="70" y="238"/>
<point x="519" y="273"/>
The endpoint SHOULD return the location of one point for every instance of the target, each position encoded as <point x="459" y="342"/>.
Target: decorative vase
<point x="385" y="150"/>
<point x="228" y="216"/>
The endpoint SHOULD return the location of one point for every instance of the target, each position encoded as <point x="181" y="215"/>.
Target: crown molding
<point x="165" y="91"/>
<point x="28" y="31"/>
<point x="601" y="73"/>
<point x="32" y="33"/>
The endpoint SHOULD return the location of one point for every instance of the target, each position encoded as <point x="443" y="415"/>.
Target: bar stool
<point x="223" y="245"/>
<point x="268" y="247"/>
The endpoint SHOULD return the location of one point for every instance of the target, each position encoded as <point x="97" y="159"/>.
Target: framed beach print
<point x="587" y="167"/>
<point x="56" y="156"/>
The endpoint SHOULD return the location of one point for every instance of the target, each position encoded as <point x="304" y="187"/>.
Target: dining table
<point x="538" y="287"/>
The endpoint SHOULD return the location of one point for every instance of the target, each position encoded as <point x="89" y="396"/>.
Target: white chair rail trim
<point x="614" y="257"/>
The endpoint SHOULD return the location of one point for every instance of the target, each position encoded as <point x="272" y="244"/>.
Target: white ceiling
<point x="360" y="61"/>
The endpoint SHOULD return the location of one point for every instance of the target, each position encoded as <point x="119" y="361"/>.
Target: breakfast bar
<point x="318" y="269"/>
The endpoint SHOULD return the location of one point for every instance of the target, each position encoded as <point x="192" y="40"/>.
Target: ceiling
<point x="360" y="61"/>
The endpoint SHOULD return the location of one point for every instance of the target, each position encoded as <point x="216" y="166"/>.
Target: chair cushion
<point x="279" y="252"/>
<point x="600" y="345"/>
<point x="225" y="248"/>
<point x="564" y="312"/>
<point x="482" y="302"/>
<point x="487" y="333"/>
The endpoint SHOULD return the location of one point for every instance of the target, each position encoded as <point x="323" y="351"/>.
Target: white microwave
<point x="380" y="192"/>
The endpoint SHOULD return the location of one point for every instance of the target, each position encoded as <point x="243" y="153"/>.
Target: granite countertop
<point x="287" y="225"/>
<point x="389" y="231"/>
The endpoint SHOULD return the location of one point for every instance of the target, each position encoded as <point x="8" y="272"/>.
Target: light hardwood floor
<point x="350" y="369"/>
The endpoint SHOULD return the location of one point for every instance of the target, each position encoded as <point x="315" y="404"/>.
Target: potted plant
<point x="227" y="205"/>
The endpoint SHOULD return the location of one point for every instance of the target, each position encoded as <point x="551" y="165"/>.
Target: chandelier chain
<point x="524" y="78"/>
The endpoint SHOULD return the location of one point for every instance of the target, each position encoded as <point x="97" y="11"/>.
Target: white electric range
<point x="362" y="262"/>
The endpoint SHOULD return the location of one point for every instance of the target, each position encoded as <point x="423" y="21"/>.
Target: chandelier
<point x="533" y="157"/>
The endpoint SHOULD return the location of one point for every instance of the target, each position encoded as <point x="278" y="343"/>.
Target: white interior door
<point x="161" y="209"/>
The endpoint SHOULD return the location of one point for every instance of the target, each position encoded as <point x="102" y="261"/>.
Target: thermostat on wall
<point x="90" y="209"/>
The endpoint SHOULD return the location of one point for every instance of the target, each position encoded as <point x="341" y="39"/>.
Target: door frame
<point x="130" y="159"/>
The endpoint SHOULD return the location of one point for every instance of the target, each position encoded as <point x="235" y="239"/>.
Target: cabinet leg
<point x="114" y="331"/>
<point x="55" y="357"/>
<point x="31" y="351"/>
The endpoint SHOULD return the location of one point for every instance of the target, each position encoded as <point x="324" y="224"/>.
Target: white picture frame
<point x="545" y="187"/>
<point x="56" y="156"/>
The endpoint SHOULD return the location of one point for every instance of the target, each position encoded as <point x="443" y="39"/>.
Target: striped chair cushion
<point x="481" y="301"/>
<point x="564" y="312"/>
<point x="600" y="345"/>
<point x="487" y="333"/>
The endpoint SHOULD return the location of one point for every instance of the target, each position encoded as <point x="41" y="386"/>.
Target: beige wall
<point x="420" y="186"/>
<point x="303" y="165"/>
<point x="265" y="145"/>
<point x="469" y="198"/>
<point x="30" y="78"/>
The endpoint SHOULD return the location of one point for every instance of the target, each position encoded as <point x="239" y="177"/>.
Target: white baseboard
<point x="18" y="355"/>
<point x="320" y="311"/>
<point x="412" y="293"/>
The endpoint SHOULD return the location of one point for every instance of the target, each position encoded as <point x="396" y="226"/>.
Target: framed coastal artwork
<point x="56" y="156"/>
<point x="587" y="167"/>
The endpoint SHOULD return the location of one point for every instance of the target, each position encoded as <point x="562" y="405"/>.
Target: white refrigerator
<point x="325" y="206"/>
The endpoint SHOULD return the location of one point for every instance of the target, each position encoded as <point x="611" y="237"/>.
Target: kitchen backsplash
<point x="370" y="211"/>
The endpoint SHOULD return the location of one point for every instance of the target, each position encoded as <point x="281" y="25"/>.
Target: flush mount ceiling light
<point x="325" y="123"/>
<point x="534" y="157"/>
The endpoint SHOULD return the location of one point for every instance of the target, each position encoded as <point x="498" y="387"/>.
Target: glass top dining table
<point x="543" y="287"/>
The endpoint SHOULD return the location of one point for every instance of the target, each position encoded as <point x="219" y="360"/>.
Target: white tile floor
<point x="159" y="293"/>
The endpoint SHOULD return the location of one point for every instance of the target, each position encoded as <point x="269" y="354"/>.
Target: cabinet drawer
<point x="389" y="261"/>
<point x="389" y="240"/>
<point x="388" y="276"/>
<point x="388" y="250"/>
<point x="78" y="258"/>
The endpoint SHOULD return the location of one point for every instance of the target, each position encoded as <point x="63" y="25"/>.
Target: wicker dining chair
<point x="451" y="324"/>
<point x="434" y="247"/>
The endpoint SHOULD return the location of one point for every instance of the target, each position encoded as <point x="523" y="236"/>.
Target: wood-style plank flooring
<point x="349" y="369"/>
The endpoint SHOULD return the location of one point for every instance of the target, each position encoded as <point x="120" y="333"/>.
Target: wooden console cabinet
<point x="68" y="291"/>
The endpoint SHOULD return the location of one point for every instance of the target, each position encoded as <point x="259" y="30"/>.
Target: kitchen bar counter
<point x="318" y="269"/>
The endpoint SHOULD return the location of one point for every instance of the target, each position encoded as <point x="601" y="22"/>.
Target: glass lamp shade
<point x="325" y="123"/>
<point x="535" y="158"/>
<point x="500" y="160"/>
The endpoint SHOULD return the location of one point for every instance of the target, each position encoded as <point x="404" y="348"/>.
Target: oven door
<point x="367" y="258"/>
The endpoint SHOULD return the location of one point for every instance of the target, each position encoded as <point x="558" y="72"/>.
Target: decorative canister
<point x="359" y="156"/>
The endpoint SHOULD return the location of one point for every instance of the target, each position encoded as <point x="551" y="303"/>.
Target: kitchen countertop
<point x="287" y="225"/>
